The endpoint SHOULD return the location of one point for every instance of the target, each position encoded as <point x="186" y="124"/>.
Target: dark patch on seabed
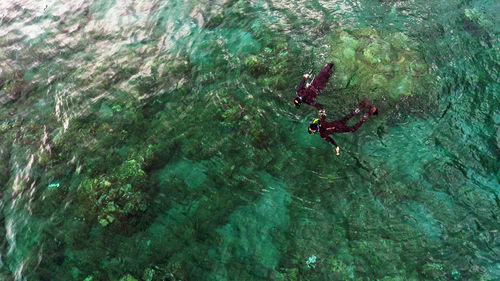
<point x="157" y="140"/>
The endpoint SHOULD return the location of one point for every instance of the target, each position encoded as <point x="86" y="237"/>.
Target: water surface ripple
<point x="157" y="140"/>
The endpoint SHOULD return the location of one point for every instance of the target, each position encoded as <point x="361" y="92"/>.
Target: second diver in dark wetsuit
<point x="307" y="94"/>
<point x="340" y="126"/>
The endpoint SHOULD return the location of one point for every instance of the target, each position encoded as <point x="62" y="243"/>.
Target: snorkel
<point x="313" y="127"/>
<point x="297" y="101"/>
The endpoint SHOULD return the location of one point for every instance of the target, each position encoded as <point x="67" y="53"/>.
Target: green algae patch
<point x="114" y="196"/>
<point x="341" y="270"/>
<point x="379" y="63"/>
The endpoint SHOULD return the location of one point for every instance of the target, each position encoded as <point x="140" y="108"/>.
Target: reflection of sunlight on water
<point x="23" y="174"/>
<point x="27" y="4"/>
<point x="86" y="44"/>
<point x="15" y="11"/>
<point x="20" y="230"/>
<point x="32" y="31"/>
<point x="21" y="237"/>
<point x="129" y="18"/>
<point x="61" y="101"/>
<point x="311" y="11"/>
<point x="111" y="28"/>
<point x="11" y="233"/>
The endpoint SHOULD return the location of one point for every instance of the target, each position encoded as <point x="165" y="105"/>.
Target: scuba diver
<point x="307" y="93"/>
<point x="340" y="126"/>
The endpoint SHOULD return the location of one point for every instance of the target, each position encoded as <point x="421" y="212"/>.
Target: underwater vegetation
<point x="379" y="63"/>
<point x="163" y="145"/>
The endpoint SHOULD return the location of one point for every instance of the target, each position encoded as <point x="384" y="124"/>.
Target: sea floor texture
<point x="157" y="140"/>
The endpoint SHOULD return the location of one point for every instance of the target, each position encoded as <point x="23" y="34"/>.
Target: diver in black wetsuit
<point x="340" y="126"/>
<point x="309" y="93"/>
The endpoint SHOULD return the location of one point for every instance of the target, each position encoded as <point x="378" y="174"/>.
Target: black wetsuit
<point x="340" y="126"/>
<point x="317" y="85"/>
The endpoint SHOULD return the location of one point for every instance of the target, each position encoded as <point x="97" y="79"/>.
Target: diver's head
<point x="297" y="101"/>
<point x="313" y="127"/>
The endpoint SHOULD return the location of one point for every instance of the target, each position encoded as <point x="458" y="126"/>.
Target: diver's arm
<point x="303" y="83"/>
<point x="315" y="104"/>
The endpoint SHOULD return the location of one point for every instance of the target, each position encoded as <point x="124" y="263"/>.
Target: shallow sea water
<point x="157" y="140"/>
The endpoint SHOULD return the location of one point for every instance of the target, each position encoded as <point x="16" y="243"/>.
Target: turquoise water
<point x="157" y="140"/>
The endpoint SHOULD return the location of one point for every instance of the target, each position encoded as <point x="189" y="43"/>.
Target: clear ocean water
<point x="157" y="140"/>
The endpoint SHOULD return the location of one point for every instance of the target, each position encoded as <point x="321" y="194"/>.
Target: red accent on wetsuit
<point x="317" y="85"/>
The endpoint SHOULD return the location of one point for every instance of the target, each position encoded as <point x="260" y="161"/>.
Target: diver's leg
<point x="322" y="78"/>
<point x="356" y="126"/>
<point x="363" y="104"/>
<point x="372" y="110"/>
<point x="349" y="116"/>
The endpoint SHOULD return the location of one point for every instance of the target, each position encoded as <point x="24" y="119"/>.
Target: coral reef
<point x="128" y="152"/>
<point x="117" y="196"/>
<point x="378" y="63"/>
